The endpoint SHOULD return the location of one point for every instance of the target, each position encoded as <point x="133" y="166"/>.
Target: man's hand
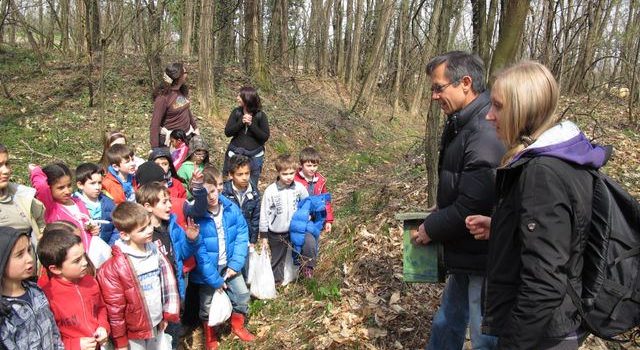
<point x="479" y="226"/>
<point x="101" y="335"/>
<point x="193" y="229"/>
<point x="420" y="236"/>
<point x="229" y="274"/>
<point x="88" y="343"/>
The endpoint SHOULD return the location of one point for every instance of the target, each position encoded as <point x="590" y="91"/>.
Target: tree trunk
<point x="400" y="31"/>
<point x="32" y="41"/>
<point x="338" y="44"/>
<point x="187" y="27"/>
<point x="278" y="33"/>
<point x="547" y="47"/>
<point x="64" y="25"/>
<point x="479" y="24"/>
<point x="512" y="19"/>
<point x="361" y="104"/>
<point x="206" y="86"/>
<point x="434" y="120"/>
<point x="354" y="53"/>
<point x="348" y="33"/>
<point x="252" y="57"/>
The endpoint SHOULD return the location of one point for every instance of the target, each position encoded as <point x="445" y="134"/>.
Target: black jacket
<point x="540" y="222"/>
<point x="469" y="153"/>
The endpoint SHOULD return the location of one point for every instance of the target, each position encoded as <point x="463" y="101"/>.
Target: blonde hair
<point x="529" y="94"/>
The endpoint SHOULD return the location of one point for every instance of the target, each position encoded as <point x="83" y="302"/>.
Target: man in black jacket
<point x="469" y="154"/>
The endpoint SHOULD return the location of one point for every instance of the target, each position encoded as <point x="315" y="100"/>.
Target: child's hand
<point x="88" y="343"/>
<point x="229" y="274"/>
<point x="223" y="287"/>
<point x="197" y="176"/>
<point x="92" y="228"/>
<point x="193" y="229"/>
<point x="264" y="242"/>
<point x="101" y="335"/>
<point x="162" y="325"/>
<point x="327" y="227"/>
<point x="31" y="167"/>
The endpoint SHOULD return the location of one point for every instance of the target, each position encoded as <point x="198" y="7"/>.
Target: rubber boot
<point x="210" y="338"/>
<point x="237" y="327"/>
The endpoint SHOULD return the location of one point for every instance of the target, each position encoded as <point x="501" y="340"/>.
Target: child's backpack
<point x="610" y="302"/>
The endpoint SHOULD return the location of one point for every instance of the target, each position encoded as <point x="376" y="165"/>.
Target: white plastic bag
<point x="263" y="286"/>
<point x="99" y="251"/>
<point x="220" y="308"/>
<point x="252" y="264"/>
<point x="290" y="271"/>
<point x="165" y="342"/>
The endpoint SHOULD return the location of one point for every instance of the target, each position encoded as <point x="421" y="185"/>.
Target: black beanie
<point x="149" y="172"/>
<point x="8" y="238"/>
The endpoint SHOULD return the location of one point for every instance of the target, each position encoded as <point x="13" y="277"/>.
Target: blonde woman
<point x="543" y="212"/>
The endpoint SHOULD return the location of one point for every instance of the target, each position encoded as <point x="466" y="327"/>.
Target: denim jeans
<point x="236" y="291"/>
<point x="460" y="307"/>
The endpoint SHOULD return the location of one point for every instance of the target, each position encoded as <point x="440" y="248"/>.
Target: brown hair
<point x="211" y="173"/>
<point x="150" y="193"/>
<point x="128" y="216"/>
<point x="117" y="153"/>
<point x="284" y="162"/>
<point x="55" y="254"/>
<point x="309" y="154"/>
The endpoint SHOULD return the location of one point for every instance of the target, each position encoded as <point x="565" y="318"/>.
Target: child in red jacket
<point x="83" y="324"/>
<point x="312" y="180"/>
<point x="138" y="283"/>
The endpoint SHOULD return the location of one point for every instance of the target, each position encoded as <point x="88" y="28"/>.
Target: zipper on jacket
<point x="33" y="312"/>
<point x="84" y="311"/>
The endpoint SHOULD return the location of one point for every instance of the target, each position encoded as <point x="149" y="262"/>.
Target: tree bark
<point x="361" y="104"/>
<point x="400" y="31"/>
<point x="354" y="53"/>
<point x="187" y="27"/>
<point x="512" y="19"/>
<point x="206" y="86"/>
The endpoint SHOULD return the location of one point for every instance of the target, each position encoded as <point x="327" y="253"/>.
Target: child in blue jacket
<point x="99" y="205"/>
<point x="220" y="258"/>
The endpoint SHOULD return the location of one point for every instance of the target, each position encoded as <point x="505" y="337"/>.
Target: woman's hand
<point x="479" y="226"/>
<point x="247" y="119"/>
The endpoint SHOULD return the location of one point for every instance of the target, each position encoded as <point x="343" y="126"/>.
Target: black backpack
<point x="610" y="301"/>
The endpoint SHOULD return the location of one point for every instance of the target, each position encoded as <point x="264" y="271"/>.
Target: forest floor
<point x="374" y="163"/>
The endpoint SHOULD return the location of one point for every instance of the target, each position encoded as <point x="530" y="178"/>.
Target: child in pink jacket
<point x="54" y="190"/>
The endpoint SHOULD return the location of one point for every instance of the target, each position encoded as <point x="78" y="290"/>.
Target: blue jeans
<point x="236" y="291"/>
<point x="460" y="307"/>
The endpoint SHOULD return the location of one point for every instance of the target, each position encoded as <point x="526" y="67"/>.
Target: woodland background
<point x="344" y="75"/>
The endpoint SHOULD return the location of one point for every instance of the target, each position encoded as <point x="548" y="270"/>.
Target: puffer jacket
<point x="30" y="326"/>
<point x="319" y="187"/>
<point x="108" y="232"/>
<point x="236" y="234"/>
<point x="250" y="208"/>
<point x="309" y="218"/>
<point x="128" y="313"/>
<point x="540" y="225"/>
<point x="469" y="154"/>
<point x="183" y="249"/>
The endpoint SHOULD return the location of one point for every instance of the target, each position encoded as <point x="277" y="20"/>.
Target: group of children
<point x="173" y="235"/>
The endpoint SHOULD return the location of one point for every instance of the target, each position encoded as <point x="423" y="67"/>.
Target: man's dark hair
<point x="459" y="64"/>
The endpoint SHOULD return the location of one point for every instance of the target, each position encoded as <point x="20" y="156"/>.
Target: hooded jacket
<point x="542" y="217"/>
<point x="319" y="183"/>
<point x="55" y="211"/>
<point x="114" y="187"/>
<point x="25" y="325"/>
<point x="25" y="199"/>
<point x="236" y="235"/>
<point x="469" y="155"/>
<point x="78" y="319"/>
<point x="309" y="218"/>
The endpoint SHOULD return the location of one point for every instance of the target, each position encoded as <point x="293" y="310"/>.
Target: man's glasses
<point x="438" y="89"/>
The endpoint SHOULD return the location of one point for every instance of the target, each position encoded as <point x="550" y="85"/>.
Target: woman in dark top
<point x="248" y="128"/>
<point x="171" y="107"/>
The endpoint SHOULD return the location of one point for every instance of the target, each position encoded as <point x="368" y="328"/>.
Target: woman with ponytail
<point x="171" y="107"/>
<point x="542" y="215"/>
